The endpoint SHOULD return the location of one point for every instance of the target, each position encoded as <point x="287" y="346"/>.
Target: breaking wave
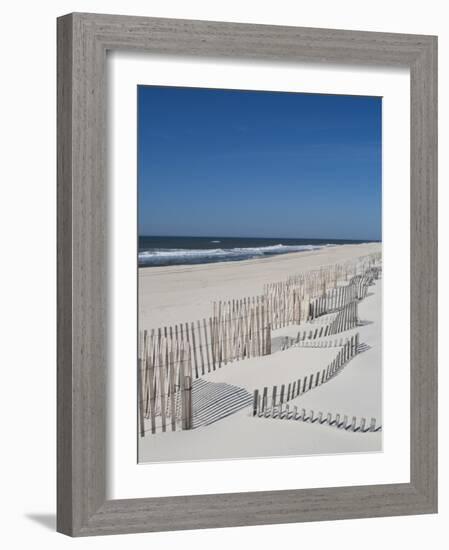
<point x="180" y="256"/>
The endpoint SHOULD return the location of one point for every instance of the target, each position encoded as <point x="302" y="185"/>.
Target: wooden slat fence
<point x="285" y="306"/>
<point x="280" y="394"/>
<point x="362" y="282"/>
<point x="346" y="319"/>
<point x="165" y="384"/>
<point x="171" y="357"/>
<point x="330" y="275"/>
<point x="339" y="421"/>
<point x="337" y="298"/>
<point x="309" y="295"/>
<point x="228" y="336"/>
<point x="334" y="300"/>
<point x="242" y="329"/>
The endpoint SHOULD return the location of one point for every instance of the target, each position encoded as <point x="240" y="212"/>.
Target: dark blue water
<point x="160" y="251"/>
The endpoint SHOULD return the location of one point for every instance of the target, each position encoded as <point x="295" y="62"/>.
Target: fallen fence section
<point x="338" y="421"/>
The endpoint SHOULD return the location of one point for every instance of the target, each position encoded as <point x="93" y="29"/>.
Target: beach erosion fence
<point x="318" y="279"/>
<point x="266" y="403"/>
<point x="309" y="295"/>
<point x="237" y="330"/>
<point x="338" y="420"/>
<point x="165" y="386"/>
<point x="346" y="319"/>
<point x="172" y="357"/>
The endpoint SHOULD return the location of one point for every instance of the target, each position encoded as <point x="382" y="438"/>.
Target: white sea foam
<point x="166" y="256"/>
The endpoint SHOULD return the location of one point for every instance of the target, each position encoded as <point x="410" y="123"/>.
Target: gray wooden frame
<point x="83" y="40"/>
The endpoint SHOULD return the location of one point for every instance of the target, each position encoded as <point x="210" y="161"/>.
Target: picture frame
<point x="83" y="40"/>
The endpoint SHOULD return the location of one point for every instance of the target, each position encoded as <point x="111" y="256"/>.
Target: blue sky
<point x="258" y="164"/>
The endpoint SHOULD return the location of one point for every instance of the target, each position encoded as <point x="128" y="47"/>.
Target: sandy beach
<point x="175" y="294"/>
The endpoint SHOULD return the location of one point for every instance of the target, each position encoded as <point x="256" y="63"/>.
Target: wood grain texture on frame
<point x="83" y="40"/>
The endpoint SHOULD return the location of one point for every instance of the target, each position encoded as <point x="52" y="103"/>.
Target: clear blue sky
<point x="258" y="164"/>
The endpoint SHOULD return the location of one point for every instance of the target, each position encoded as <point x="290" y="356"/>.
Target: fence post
<point x="188" y="402"/>
<point x="172" y="391"/>
<point x="212" y="341"/>
<point x="182" y="387"/>
<point x="192" y="331"/>
<point x="304" y="385"/>
<point x="268" y="340"/>
<point x="281" y="399"/>
<point x="141" y="398"/>
<point x="152" y="399"/>
<point x="264" y="399"/>
<point x="162" y="384"/>
<point x="255" y="402"/>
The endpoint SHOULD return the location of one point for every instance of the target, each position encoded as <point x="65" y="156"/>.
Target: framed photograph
<point x="247" y="274"/>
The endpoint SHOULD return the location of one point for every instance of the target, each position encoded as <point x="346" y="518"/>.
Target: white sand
<point x="178" y="294"/>
<point x="173" y="294"/>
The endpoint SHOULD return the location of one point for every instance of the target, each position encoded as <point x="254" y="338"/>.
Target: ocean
<point x="162" y="251"/>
